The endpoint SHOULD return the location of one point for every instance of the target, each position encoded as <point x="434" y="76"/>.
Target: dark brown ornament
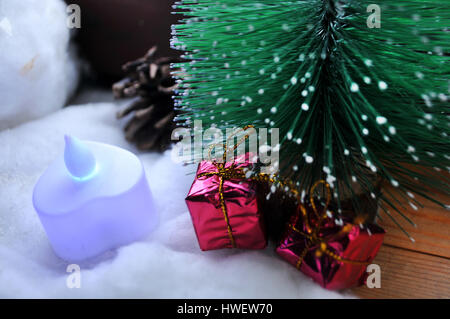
<point x="149" y="81"/>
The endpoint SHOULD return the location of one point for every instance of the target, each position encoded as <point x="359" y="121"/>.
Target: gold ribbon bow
<point x="225" y="173"/>
<point x="313" y="233"/>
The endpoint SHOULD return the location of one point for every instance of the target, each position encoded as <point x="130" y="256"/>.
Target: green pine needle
<point x="349" y="100"/>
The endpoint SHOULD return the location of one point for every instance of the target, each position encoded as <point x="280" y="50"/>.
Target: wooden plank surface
<point x="409" y="274"/>
<point x="419" y="269"/>
<point x="432" y="234"/>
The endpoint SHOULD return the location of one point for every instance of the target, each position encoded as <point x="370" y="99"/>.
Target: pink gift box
<point x="353" y="245"/>
<point x="241" y="225"/>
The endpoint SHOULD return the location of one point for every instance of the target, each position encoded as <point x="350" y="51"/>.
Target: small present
<point x="224" y="207"/>
<point x="334" y="253"/>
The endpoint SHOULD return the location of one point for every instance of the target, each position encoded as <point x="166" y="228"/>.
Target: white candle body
<point x="84" y="217"/>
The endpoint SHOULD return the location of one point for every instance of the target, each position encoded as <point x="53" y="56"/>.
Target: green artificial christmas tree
<point x="353" y="93"/>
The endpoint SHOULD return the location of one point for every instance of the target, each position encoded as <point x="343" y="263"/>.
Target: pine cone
<point x="150" y="82"/>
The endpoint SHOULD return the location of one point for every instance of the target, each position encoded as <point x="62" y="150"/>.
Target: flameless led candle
<point x="92" y="199"/>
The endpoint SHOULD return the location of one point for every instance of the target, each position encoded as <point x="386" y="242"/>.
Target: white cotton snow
<point x="37" y="73"/>
<point x="166" y="264"/>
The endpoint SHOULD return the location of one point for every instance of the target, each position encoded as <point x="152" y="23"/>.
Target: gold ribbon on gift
<point x="313" y="232"/>
<point x="225" y="173"/>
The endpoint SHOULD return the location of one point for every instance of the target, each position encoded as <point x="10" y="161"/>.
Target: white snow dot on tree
<point x="381" y="120"/>
<point x="382" y="85"/>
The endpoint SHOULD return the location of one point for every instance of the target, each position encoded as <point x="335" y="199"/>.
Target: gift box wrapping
<point x="246" y="226"/>
<point x="353" y="247"/>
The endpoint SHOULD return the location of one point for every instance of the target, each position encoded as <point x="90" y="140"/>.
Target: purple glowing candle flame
<point x="80" y="161"/>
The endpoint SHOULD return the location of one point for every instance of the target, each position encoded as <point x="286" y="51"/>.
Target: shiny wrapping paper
<point x="347" y="241"/>
<point x="240" y="200"/>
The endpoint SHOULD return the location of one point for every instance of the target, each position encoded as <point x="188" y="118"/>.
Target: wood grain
<point x="409" y="274"/>
<point x="419" y="269"/>
<point x="432" y="234"/>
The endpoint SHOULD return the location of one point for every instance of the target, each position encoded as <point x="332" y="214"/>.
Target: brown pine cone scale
<point x="149" y="81"/>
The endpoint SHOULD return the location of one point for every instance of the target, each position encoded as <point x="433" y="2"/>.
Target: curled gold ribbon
<point x="225" y="173"/>
<point x="313" y="233"/>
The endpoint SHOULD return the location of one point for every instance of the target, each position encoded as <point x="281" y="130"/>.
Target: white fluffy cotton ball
<point x="37" y="73"/>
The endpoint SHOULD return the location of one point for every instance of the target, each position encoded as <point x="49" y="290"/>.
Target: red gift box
<point x="333" y="254"/>
<point x="224" y="207"/>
